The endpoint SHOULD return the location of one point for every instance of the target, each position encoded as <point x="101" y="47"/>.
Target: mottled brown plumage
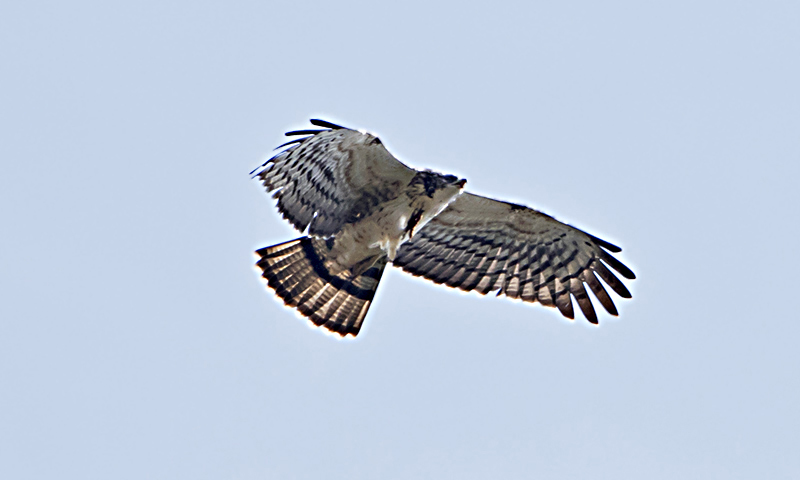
<point x="486" y="245"/>
<point x="362" y="209"/>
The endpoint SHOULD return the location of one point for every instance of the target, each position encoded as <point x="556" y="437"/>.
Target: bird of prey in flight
<point x="361" y="209"/>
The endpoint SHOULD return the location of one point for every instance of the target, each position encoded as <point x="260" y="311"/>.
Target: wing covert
<point x="486" y="245"/>
<point x="322" y="180"/>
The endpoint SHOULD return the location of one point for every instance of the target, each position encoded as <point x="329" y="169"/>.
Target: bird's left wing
<point x="482" y="244"/>
<point x="332" y="176"/>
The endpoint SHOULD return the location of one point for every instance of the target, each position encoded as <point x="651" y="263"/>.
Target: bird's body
<point x="384" y="230"/>
<point x="363" y="209"/>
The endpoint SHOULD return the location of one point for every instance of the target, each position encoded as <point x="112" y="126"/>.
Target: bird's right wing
<point x="485" y="245"/>
<point x="332" y="176"/>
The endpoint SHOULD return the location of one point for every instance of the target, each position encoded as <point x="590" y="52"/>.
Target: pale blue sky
<point x="136" y="340"/>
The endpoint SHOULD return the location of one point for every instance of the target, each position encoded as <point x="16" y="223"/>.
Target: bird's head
<point x="438" y="190"/>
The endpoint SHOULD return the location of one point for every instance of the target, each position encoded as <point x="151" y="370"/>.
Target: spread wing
<point x="481" y="244"/>
<point x="331" y="176"/>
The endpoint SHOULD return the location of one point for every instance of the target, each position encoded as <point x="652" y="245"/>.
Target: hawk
<point x="361" y="209"/>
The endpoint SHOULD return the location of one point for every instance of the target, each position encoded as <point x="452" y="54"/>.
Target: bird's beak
<point x="461" y="183"/>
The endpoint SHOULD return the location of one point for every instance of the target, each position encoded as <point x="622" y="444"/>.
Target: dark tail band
<point x="296" y="271"/>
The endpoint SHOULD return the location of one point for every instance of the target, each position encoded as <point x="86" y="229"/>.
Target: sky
<point x="136" y="340"/>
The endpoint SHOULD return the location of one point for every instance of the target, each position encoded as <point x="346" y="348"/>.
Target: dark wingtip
<point x="257" y="171"/>
<point x="325" y="124"/>
<point x="303" y="132"/>
<point x="607" y="245"/>
<point x="296" y="140"/>
<point x="618" y="266"/>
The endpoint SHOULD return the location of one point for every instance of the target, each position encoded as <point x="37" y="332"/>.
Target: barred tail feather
<point x="296" y="271"/>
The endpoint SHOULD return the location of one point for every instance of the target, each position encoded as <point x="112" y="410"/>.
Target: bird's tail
<point x="297" y="271"/>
